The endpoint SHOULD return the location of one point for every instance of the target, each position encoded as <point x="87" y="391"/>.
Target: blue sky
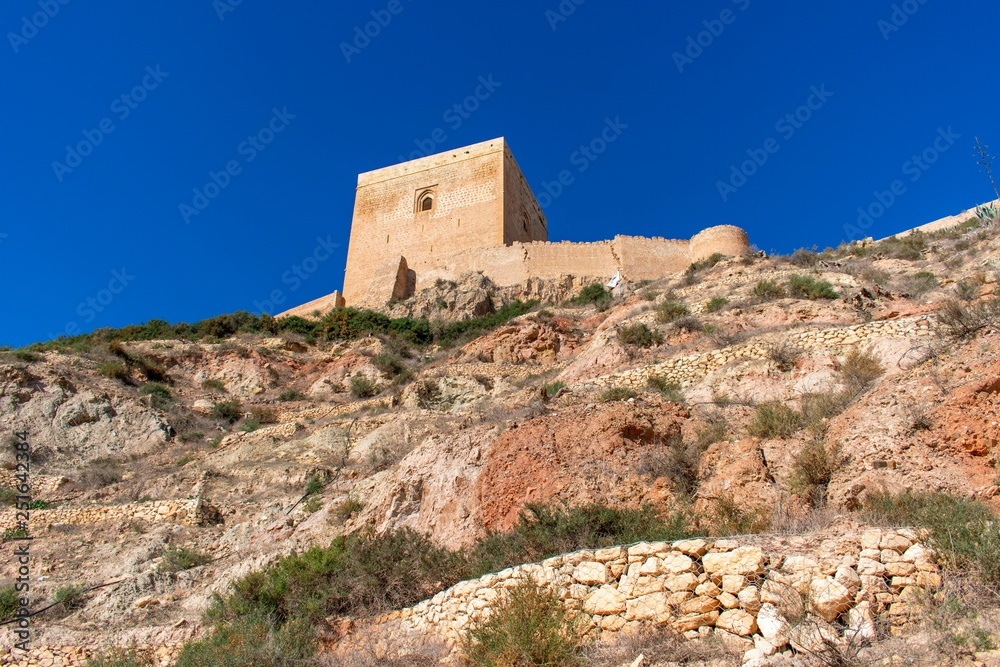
<point x="781" y="117"/>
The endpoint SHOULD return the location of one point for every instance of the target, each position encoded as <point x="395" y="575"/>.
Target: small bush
<point x="715" y="304"/>
<point x="716" y="429"/>
<point x="689" y="323"/>
<point x="264" y="414"/>
<point x="708" y="262"/>
<point x="159" y="394"/>
<point x="966" y="291"/>
<point x="965" y="532"/>
<point x="313" y="505"/>
<point x="732" y="517"/>
<point x="100" y="473"/>
<point x="179" y="558"/>
<point x="313" y="485"/>
<point x="250" y="425"/>
<point x="116" y="370"/>
<point x="670" y="310"/>
<point x="214" y="384"/>
<point x="7" y="495"/>
<point x="808" y="287"/>
<point x="804" y="259"/>
<point x="812" y="469"/>
<point x="123" y="658"/>
<point x="639" y="335"/>
<point x="550" y="390"/>
<point x="669" y="390"/>
<point x="918" y="284"/>
<point x="962" y="322"/>
<point x="593" y="294"/>
<point x="528" y="627"/>
<point x="616" y="394"/>
<point x="362" y="387"/>
<point x="27" y="355"/>
<point x="784" y="356"/>
<point x="775" y="420"/>
<point x="820" y="406"/>
<point x="768" y="290"/>
<point x="70" y="597"/>
<point x="252" y="641"/>
<point x="347" y="509"/>
<point x="230" y="411"/>
<point x="674" y="461"/>
<point x="8" y="602"/>
<point x="860" y="369"/>
<point x="910" y="247"/>
<point x="389" y="364"/>
<point x="291" y="395"/>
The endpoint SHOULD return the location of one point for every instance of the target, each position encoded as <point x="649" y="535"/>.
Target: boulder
<point x="605" y="601"/>
<point x="828" y="598"/>
<point x="737" y="622"/>
<point x="743" y="560"/>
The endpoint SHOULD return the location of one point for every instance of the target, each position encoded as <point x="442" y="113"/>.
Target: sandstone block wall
<point x="760" y="601"/>
<point x="191" y="511"/>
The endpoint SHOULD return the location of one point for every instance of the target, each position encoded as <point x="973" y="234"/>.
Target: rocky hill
<point x="775" y="399"/>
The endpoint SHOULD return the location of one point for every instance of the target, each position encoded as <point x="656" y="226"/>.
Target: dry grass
<point x="661" y="647"/>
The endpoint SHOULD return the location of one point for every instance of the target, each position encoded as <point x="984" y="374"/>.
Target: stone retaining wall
<point x="758" y="601"/>
<point x="192" y="512"/>
<point x="693" y="368"/>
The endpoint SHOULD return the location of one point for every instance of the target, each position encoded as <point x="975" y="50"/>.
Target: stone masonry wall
<point x="691" y="369"/>
<point x="191" y="511"/>
<point x="759" y="601"/>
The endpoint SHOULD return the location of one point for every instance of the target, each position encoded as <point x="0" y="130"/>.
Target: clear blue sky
<point x="200" y="78"/>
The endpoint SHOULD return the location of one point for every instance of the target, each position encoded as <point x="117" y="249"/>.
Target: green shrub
<point x="529" y="627"/>
<point x="804" y="258"/>
<point x="708" y="262"/>
<point x="616" y="394"/>
<point x="8" y="602"/>
<point x="362" y="387"/>
<point x="734" y="517"/>
<point x="70" y="597"/>
<point x="264" y="414"/>
<point x="593" y="294"/>
<point x="768" y="290"/>
<point x="389" y="364"/>
<point x="123" y="658"/>
<point x="918" y="284"/>
<point x="250" y="425"/>
<point x="639" y="335"/>
<point x="291" y="395"/>
<point x="357" y="575"/>
<point x="100" y="473"/>
<point x="347" y="509"/>
<point x="812" y="469"/>
<point x="115" y="370"/>
<point x="716" y="429"/>
<point x="860" y="369"/>
<point x="671" y="309"/>
<point x="159" y="394"/>
<point x="454" y="332"/>
<point x="775" y="420"/>
<point x="551" y="389"/>
<point x="668" y="389"/>
<point x="675" y="461"/>
<point x="910" y="247"/>
<point x="230" y="411"/>
<point x="808" y="287"/>
<point x="962" y="322"/>
<point x="964" y="532"/>
<point x="820" y="406"/>
<point x="715" y="304"/>
<point x="314" y="485"/>
<point x="966" y="291"/>
<point x="214" y="384"/>
<point x="784" y="356"/>
<point x="28" y="356"/>
<point x="179" y="558"/>
<point x="543" y="531"/>
<point x="252" y="641"/>
<point x="7" y="495"/>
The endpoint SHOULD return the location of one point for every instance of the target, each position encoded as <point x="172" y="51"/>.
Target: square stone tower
<point x="411" y="214"/>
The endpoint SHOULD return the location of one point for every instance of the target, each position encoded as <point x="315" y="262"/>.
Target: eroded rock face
<point x="561" y="457"/>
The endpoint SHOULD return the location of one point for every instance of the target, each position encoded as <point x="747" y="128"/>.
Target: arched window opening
<point x="427" y="202"/>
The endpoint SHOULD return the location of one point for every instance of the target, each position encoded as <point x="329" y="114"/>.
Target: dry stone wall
<point x="191" y="511"/>
<point x="691" y="369"/>
<point x="758" y="600"/>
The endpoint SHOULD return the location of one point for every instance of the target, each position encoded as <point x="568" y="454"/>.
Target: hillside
<point x="772" y="399"/>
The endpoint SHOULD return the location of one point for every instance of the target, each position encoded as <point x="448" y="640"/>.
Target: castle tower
<point x="408" y="214"/>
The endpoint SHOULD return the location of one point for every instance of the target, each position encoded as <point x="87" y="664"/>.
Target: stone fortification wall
<point x="725" y="239"/>
<point x="758" y="601"/>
